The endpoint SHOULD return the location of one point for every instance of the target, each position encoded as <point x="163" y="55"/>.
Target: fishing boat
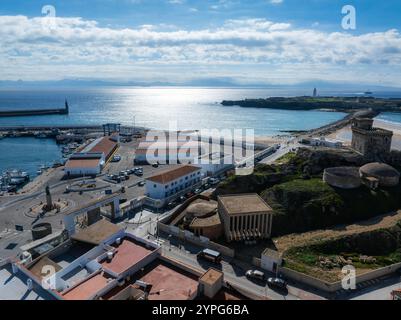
<point x="17" y="177"/>
<point x="41" y="135"/>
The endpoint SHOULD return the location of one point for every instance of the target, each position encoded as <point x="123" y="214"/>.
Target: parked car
<point x="155" y="165"/>
<point x="142" y="183"/>
<point x="182" y="198"/>
<point x="277" y="283"/>
<point x="171" y="205"/>
<point x="210" y="255"/>
<point x="198" y="191"/>
<point x="255" y="274"/>
<point x="214" y="181"/>
<point x="116" y="158"/>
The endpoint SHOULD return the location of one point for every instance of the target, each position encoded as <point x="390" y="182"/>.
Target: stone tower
<point x="373" y="143"/>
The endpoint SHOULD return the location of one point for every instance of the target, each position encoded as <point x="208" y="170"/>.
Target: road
<point x="381" y="291"/>
<point x="234" y="270"/>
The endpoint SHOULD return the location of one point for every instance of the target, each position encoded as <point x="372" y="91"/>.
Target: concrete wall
<point x="335" y="286"/>
<point x="199" y="241"/>
<point x="76" y="172"/>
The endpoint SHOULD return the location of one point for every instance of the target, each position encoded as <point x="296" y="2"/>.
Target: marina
<point x="25" y="158"/>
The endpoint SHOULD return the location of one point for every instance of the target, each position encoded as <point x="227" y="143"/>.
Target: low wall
<point x="335" y="286"/>
<point x="257" y="262"/>
<point x="190" y="237"/>
<point x="4" y="262"/>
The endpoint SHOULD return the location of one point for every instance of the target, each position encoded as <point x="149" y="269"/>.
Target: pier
<point x="35" y="112"/>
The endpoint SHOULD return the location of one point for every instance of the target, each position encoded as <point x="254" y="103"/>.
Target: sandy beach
<point x="345" y="134"/>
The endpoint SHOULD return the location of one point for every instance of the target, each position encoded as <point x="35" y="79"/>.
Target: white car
<point x="255" y="274"/>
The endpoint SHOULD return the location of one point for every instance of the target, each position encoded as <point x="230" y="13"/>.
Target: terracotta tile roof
<point x="171" y="175"/>
<point x="105" y="145"/>
<point x="83" y="163"/>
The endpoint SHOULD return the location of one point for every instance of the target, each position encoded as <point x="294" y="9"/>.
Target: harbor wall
<point x="36" y="112"/>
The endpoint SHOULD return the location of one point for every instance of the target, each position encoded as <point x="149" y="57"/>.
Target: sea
<point x="152" y="107"/>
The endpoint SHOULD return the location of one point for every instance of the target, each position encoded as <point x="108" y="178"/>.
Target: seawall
<point x="34" y="112"/>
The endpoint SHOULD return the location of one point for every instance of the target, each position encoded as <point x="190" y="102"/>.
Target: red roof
<point x="105" y="145"/>
<point x="128" y="253"/>
<point x="171" y="175"/>
<point x="82" y="163"/>
<point x="88" y="288"/>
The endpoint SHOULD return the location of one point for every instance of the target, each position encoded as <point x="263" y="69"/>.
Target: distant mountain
<point x="200" y="82"/>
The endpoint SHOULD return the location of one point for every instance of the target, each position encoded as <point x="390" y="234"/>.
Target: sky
<point x="201" y="41"/>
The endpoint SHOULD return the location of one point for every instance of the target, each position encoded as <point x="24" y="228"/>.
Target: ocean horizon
<point x="158" y="107"/>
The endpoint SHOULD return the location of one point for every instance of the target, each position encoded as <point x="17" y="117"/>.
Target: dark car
<point x="171" y="205"/>
<point x="277" y="283"/>
<point x="255" y="274"/>
<point x="142" y="183"/>
<point x="210" y="255"/>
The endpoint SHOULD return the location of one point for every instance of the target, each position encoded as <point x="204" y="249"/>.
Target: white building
<point x="91" y="160"/>
<point x="84" y="164"/>
<point x="145" y="155"/>
<point x="271" y="260"/>
<point x="215" y="163"/>
<point x="324" y="142"/>
<point x="172" y="183"/>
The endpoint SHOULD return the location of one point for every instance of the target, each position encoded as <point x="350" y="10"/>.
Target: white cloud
<point x="29" y="49"/>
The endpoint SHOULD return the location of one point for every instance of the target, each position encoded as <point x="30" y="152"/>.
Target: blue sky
<point x="248" y="42"/>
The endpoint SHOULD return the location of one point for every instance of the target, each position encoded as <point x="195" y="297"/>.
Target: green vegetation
<point x="293" y="187"/>
<point x="365" y="251"/>
<point x="264" y="176"/>
<point x="304" y="205"/>
<point x="310" y="103"/>
<point x="287" y="158"/>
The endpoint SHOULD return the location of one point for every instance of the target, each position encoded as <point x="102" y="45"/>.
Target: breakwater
<point x="35" y="112"/>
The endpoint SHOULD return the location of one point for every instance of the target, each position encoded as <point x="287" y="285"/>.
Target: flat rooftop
<point x="211" y="276"/>
<point x="169" y="282"/>
<point x="127" y="254"/>
<point x="244" y="203"/>
<point x="97" y="233"/>
<point x="82" y="163"/>
<point x="88" y="288"/>
<point x="13" y="287"/>
<point x="174" y="174"/>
